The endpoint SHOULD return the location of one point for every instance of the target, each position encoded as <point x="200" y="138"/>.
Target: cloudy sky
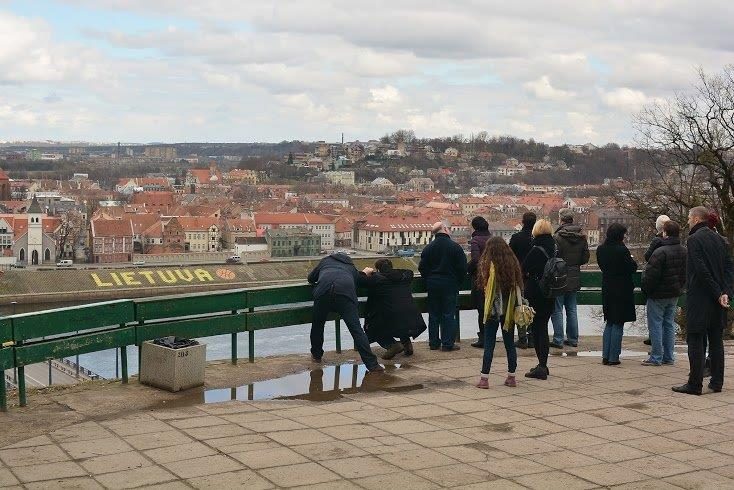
<point x="249" y="70"/>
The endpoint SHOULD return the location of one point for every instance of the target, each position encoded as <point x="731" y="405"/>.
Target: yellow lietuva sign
<point x="158" y="277"/>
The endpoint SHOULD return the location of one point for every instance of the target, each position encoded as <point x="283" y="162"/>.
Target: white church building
<point x="29" y="237"/>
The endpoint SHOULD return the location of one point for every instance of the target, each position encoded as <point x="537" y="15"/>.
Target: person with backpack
<point x="520" y="243"/>
<point x="573" y="248"/>
<point x="534" y="268"/>
<point x="617" y="290"/>
<point x="663" y="281"/>
<point x="478" y="241"/>
<point x="500" y="278"/>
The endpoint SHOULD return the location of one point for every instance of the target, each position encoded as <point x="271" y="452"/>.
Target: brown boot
<point x="394" y="350"/>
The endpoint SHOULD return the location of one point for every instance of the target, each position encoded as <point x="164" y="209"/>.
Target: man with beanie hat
<point x="573" y="247"/>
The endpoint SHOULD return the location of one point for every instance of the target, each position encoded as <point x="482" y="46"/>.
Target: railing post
<point x="123" y="361"/>
<point x="338" y="327"/>
<point x="234" y="344"/>
<point x="250" y="339"/>
<point x="3" y="392"/>
<point x="49" y="372"/>
<point x="22" y="399"/>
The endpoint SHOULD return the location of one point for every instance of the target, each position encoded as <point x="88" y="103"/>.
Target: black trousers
<point x="539" y="329"/>
<point x="697" y="356"/>
<point x="478" y="300"/>
<point x="348" y="311"/>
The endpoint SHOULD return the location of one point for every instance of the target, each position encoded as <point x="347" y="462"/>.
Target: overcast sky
<point x="248" y="70"/>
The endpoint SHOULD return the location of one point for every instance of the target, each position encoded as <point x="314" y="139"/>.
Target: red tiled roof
<point x="197" y="223"/>
<point x="111" y="228"/>
<point x="154" y="198"/>
<point x="392" y="223"/>
<point x="290" y="219"/>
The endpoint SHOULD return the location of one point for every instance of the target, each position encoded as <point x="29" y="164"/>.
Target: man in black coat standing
<point x="478" y="241"/>
<point x="335" y="278"/>
<point x="443" y="266"/>
<point x="521" y="243"/>
<point x="710" y="276"/>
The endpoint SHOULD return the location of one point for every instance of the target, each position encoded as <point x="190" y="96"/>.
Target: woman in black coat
<point x="617" y="290"/>
<point x="391" y="311"/>
<point x="543" y="247"/>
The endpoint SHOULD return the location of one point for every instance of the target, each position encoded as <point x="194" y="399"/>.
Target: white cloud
<point x="229" y="70"/>
<point x="542" y="89"/>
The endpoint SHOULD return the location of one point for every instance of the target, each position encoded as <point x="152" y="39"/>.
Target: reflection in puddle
<point x="597" y="353"/>
<point x="323" y="384"/>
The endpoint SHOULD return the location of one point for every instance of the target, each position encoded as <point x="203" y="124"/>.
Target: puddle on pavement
<point x="322" y="384"/>
<point x="597" y="353"/>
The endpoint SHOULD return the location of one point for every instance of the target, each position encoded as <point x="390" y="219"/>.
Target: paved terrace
<point x="588" y="426"/>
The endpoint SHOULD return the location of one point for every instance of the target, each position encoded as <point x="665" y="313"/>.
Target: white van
<point x="65" y="263"/>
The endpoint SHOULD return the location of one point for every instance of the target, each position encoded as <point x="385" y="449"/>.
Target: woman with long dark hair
<point x="543" y="247"/>
<point x="617" y="290"/>
<point x="499" y="277"/>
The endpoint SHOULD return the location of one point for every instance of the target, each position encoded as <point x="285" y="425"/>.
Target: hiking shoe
<point x="605" y="361"/>
<point x="511" y="382"/>
<point x="407" y="348"/>
<point x="393" y="351"/>
<point x="449" y="348"/>
<point x="376" y="369"/>
<point x="483" y="383"/>
<point x="478" y="344"/>
<point x="715" y="389"/>
<point x="668" y="363"/>
<point x="647" y="341"/>
<point x="650" y="362"/>
<point x="556" y="345"/>
<point x="686" y="389"/>
<point x="538" y="372"/>
<point x="570" y="344"/>
<point x="434" y="347"/>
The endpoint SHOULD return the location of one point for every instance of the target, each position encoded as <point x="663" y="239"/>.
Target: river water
<point x="295" y="340"/>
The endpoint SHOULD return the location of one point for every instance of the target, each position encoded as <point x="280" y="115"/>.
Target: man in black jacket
<point x="663" y="281"/>
<point x="443" y="266"/>
<point x="710" y="275"/>
<point x="335" y="278"/>
<point x="521" y="243"/>
<point x="572" y="247"/>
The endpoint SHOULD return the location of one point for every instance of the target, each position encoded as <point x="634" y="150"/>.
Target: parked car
<point x="235" y="259"/>
<point x="18" y="265"/>
<point x="65" y="263"/>
<point x="138" y="262"/>
<point x="406" y="252"/>
<point x="323" y="252"/>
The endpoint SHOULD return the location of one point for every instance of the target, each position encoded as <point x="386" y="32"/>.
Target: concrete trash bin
<point x="172" y="369"/>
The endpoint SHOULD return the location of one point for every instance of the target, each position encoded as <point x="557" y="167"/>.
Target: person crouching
<point x="391" y="311"/>
<point x="499" y="274"/>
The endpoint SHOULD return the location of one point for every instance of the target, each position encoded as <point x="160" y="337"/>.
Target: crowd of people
<point x="540" y="268"/>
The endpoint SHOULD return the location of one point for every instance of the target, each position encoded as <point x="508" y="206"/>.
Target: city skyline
<point x="116" y="70"/>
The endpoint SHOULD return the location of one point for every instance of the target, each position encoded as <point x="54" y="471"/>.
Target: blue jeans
<point x="490" y="339"/>
<point x="442" y="300"/>
<point x="660" y="316"/>
<point x="612" y="341"/>
<point x="567" y="300"/>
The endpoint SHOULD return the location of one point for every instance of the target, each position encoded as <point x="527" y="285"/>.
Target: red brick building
<point x="112" y="240"/>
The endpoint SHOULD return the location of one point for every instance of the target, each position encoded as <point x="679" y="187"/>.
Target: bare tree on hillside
<point x="689" y="142"/>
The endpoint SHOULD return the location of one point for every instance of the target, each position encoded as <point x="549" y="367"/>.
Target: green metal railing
<point x="53" y="334"/>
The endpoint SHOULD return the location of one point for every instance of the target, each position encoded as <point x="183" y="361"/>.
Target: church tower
<point x="35" y="233"/>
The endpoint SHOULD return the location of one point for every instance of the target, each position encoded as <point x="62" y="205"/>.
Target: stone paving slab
<point x="587" y="426"/>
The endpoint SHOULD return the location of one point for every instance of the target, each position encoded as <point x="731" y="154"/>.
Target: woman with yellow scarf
<point x="499" y="274"/>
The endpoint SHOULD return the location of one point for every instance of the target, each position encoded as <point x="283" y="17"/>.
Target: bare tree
<point x="71" y="229"/>
<point x="689" y="142"/>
